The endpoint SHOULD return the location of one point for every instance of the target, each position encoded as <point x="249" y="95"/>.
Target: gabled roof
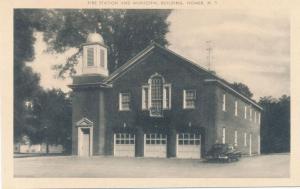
<point x="149" y="49"/>
<point x="153" y="46"/>
<point x="84" y="122"/>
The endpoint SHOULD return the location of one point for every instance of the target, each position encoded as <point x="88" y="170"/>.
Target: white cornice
<point x="234" y="91"/>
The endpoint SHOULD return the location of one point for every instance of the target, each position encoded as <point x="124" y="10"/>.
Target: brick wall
<point x="101" y="107"/>
<point x="180" y="77"/>
<point x="227" y="119"/>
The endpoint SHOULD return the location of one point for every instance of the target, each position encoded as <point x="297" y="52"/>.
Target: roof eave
<point x="234" y="91"/>
<point x="129" y="63"/>
<point x="90" y="85"/>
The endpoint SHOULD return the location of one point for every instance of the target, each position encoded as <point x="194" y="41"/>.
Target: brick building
<point x="158" y="104"/>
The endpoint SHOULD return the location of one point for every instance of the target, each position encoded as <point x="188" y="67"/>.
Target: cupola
<point x="95" y="38"/>
<point x="94" y="56"/>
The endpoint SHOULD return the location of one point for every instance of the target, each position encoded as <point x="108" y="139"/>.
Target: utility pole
<point x="209" y="54"/>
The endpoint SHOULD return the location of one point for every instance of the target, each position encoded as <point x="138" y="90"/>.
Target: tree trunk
<point x="47" y="146"/>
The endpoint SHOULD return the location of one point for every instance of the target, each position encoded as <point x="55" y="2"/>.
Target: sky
<point x="248" y="47"/>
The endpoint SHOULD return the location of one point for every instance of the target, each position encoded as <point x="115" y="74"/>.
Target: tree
<point x="242" y="88"/>
<point x="53" y="118"/>
<point x="26" y="82"/>
<point x="275" y="124"/>
<point x="125" y="32"/>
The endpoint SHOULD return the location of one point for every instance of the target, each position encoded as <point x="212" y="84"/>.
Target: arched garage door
<point x="124" y="144"/>
<point x="155" y="145"/>
<point x="189" y="145"/>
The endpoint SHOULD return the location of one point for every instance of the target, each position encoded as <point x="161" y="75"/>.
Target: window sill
<point x="156" y="116"/>
<point x="92" y="66"/>
<point x="162" y="109"/>
<point x="189" y="108"/>
<point x="124" y="110"/>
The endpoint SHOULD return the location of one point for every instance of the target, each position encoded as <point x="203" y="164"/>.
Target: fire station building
<point x="158" y="104"/>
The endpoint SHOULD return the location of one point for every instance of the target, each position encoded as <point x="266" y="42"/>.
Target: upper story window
<point x="124" y="101"/>
<point x="189" y="99"/>
<point x="223" y="135"/>
<point x="235" y="138"/>
<point x="245" y="112"/>
<point x="156" y="96"/>
<point x="90" y="57"/>
<point x="236" y="108"/>
<point x="224" y="103"/>
<point x="250" y="114"/>
<point x="254" y="116"/>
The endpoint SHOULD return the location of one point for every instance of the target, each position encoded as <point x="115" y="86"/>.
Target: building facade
<point x="158" y="104"/>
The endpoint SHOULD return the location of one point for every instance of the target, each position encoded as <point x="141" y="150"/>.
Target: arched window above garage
<point x="156" y="96"/>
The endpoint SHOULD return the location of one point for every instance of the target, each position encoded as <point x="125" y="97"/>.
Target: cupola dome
<point x="94" y="38"/>
<point x="94" y="56"/>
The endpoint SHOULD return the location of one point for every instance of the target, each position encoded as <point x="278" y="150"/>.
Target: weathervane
<point x="209" y="56"/>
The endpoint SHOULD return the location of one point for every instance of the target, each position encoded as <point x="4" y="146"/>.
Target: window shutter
<point x="90" y="56"/>
<point x="120" y="101"/>
<point x="164" y="97"/>
<point x="145" y="97"/>
<point x="184" y="98"/>
<point x="235" y="108"/>
<point x="235" y="138"/>
<point x="223" y="135"/>
<point x="167" y="96"/>
<point x="224" y="103"/>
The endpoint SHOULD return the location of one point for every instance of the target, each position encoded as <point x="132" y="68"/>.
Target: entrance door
<point x="189" y="145"/>
<point x="85" y="142"/>
<point x="155" y="145"/>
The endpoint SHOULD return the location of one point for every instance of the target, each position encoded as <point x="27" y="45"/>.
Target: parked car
<point x="223" y="153"/>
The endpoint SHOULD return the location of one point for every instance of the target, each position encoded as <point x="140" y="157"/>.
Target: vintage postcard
<point x="138" y="93"/>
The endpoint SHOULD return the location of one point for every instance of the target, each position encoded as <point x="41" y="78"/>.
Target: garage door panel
<point x="125" y="150"/>
<point x="124" y="145"/>
<point x="189" y="145"/>
<point x="155" y="145"/>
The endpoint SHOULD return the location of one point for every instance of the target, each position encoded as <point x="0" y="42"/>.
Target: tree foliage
<point x="242" y="88"/>
<point x="26" y="82"/>
<point x="53" y="118"/>
<point x="275" y="124"/>
<point x="125" y="32"/>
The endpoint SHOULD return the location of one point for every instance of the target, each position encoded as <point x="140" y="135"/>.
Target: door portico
<point x="85" y="137"/>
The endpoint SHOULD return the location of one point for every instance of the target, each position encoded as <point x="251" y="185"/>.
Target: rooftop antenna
<point x="209" y="55"/>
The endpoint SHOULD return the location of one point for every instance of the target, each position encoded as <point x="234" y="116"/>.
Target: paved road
<point x="263" y="166"/>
